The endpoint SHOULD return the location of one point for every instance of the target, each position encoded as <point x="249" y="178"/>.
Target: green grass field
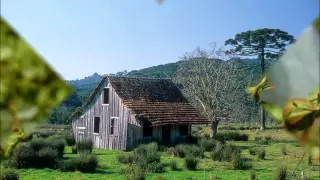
<point x="110" y="168"/>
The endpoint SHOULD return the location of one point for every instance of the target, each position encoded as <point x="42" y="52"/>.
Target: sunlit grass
<point x="110" y="168"/>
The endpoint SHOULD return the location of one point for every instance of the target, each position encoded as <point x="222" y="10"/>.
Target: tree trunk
<point x="262" y="113"/>
<point x="214" y="129"/>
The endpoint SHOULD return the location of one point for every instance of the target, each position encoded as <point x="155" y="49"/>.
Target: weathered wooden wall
<point x="115" y="109"/>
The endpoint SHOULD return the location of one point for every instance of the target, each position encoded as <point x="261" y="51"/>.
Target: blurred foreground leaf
<point x="295" y="100"/>
<point x="29" y="89"/>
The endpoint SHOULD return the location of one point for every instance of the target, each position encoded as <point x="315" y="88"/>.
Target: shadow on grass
<point x="101" y="171"/>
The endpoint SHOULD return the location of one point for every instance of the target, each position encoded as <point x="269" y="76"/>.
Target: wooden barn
<point x="121" y="112"/>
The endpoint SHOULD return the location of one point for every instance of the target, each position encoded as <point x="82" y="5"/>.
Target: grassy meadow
<point x="280" y="151"/>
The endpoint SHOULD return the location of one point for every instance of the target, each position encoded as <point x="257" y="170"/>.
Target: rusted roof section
<point x="156" y="99"/>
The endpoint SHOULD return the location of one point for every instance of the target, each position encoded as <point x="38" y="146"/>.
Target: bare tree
<point x="214" y="84"/>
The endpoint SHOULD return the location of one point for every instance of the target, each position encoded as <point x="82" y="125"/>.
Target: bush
<point x="261" y="153"/>
<point x="74" y="150"/>
<point x="173" y="165"/>
<point x="67" y="165"/>
<point x="45" y="134"/>
<point x="252" y="150"/>
<point x="39" y="143"/>
<point x="177" y="151"/>
<point x="58" y="144"/>
<point x="125" y="158"/>
<point x="134" y="172"/>
<point x="240" y="163"/>
<point x="70" y="140"/>
<point x="24" y="157"/>
<point x="208" y="144"/>
<point x="9" y="174"/>
<point x="148" y="152"/>
<point x="262" y="140"/>
<point x="252" y="176"/>
<point x="155" y="167"/>
<point x="53" y="142"/>
<point x="86" y="145"/>
<point x="284" y="150"/>
<point x="47" y="158"/>
<point x="224" y="153"/>
<point x="86" y="162"/>
<point x="231" y="136"/>
<point x="281" y="174"/>
<point x="191" y="163"/>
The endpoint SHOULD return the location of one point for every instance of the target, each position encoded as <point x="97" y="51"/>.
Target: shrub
<point x="240" y="163"/>
<point x="262" y="140"/>
<point x="192" y="150"/>
<point x="177" y="151"/>
<point x="86" y="162"/>
<point x="47" y="158"/>
<point x="134" y="172"/>
<point x="45" y="134"/>
<point x="86" y="145"/>
<point x="191" y="163"/>
<point x="261" y="153"/>
<point x="252" y="176"/>
<point x="310" y="161"/>
<point x="24" y="157"/>
<point x="148" y="152"/>
<point x="207" y="144"/>
<point x="155" y="167"/>
<point x="125" y="158"/>
<point x="173" y="165"/>
<point x="224" y="153"/>
<point x="9" y="174"/>
<point x="74" y="150"/>
<point x="28" y="137"/>
<point x="252" y="150"/>
<point x="70" y="140"/>
<point x="231" y="136"/>
<point x="284" y="150"/>
<point x="39" y="143"/>
<point x="58" y="144"/>
<point x="67" y="165"/>
<point x="281" y="174"/>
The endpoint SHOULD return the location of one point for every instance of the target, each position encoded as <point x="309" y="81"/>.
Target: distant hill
<point x="83" y="87"/>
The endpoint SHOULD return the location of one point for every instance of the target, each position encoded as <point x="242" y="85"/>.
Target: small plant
<point x="309" y="161"/>
<point x="9" y="174"/>
<point x="231" y="136"/>
<point x="177" y="151"/>
<point x="284" y="150"/>
<point x="24" y="157"/>
<point x="58" y="144"/>
<point x="155" y="167"/>
<point x="252" y="176"/>
<point x="86" y="162"/>
<point x="86" y="145"/>
<point x="47" y="158"/>
<point x="261" y="153"/>
<point x="134" y="172"/>
<point x="191" y="163"/>
<point x="74" y="150"/>
<point x="208" y="144"/>
<point x="45" y="134"/>
<point x="240" y="163"/>
<point x="224" y="152"/>
<point x="67" y="165"/>
<point x="173" y="165"/>
<point x="252" y="150"/>
<point x="281" y="174"/>
<point x="125" y="158"/>
<point x="70" y="140"/>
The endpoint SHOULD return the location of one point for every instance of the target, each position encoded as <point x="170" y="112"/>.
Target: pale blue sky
<point x="80" y="37"/>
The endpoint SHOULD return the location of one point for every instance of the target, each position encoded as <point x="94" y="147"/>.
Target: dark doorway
<point x="166" y="135"/>
<point x="147" y="129"/>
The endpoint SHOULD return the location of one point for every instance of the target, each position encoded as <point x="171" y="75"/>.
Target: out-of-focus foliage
<point x="294" y="100"/>
<point x="29" y="89"/>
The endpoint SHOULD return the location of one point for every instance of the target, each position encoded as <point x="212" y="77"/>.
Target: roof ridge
<point x="137" y="77"/>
